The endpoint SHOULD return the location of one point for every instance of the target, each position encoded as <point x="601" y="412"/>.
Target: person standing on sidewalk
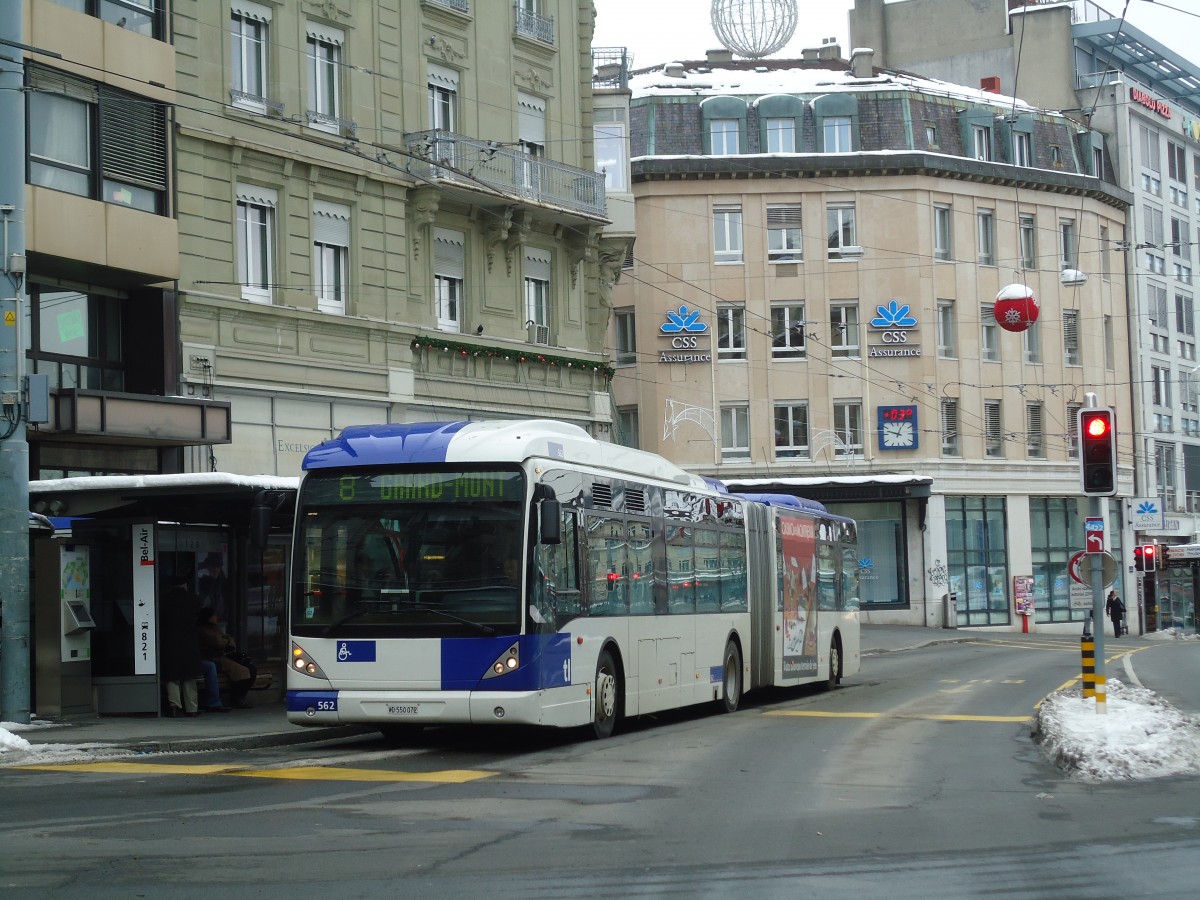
<point x="1116" y="611"/>
<point x="180" y="662"/>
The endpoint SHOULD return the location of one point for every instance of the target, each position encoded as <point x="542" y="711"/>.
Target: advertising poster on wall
<point x="799" y="597"/>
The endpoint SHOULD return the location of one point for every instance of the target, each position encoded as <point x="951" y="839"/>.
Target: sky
<point x="1140" y="736"/>
<point x="660" y="31"/>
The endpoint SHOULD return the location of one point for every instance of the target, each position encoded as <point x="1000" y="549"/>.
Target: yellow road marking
<point x="931" y="717"/>
<point x="297" y="773"/>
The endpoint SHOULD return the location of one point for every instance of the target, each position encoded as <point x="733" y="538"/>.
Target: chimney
<point x="861" y="62"/>
<point x="673" y="70"/>
<point x="990" y="83"/>
<point x="830" y="51"/>
<point x="810" y="53"/>
<point x="719" y="55"/>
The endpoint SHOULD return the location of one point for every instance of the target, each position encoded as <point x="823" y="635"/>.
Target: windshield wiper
<point x="479" y="626"/>
<point x="353" y="614"/>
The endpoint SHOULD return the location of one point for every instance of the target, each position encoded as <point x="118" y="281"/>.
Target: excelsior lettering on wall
<point x="686" y="331"/>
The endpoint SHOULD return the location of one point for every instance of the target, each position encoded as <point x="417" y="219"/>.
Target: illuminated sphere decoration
<point x="1016" y="307"/>
<point x="754" y="28"/>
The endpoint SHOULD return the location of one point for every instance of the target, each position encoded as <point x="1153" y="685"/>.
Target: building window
<point x="626" y="321"/>
<point x="611" y="149"/>
<point x="139" y="16"/>
<point x="843" y="235"/>
<point x="943" y="234"/>
<point x="791" y="430"/>
<point x="931" y="135"/>
<point x="1052" y="523"/>
<point x="1152" y="218"/>
<point x="977" y="559"/>
<point x="537" y="289"/>
<point x="1164" y="472"/>
<point x="847" y="424"/>
<point x="981" y="142"/>
<point x="1035" y="431"/>
<point x="1110" y="353"/>
<point x="1022" y="148"/>
<point x="950" y="444"/>
<point x="249" y="27"/>
<point x="727" y="234"/>
<point x="989" y="337"/>
<point x="449" y="278"/>
<point x="843" y="330"/>
<point x="1180" y="246"/>
<point x="836" y="134"/>
<point x="735" y="431"/>
<point x="442" y="89"/>
<point x="986" y="230"/>
<point x="1027" y="226"/>
<point x="1160" y="385"/>
<point x="784" y="239"/>
<point x="1070" y="321"/>
<point x="1105" y="251"/>
<point x="256" y="242"/>
<point x="324" y="77"/>
<point x="781" y="135"/>
<point x="946" y="329"/>
<point x="1073" y="429"/>
<point x="1156" y="306"/>
<point x="723" y="135"/>
<point x="787" y="331"/>
<point x="331" y="255"/>
<point x="531" y="136"/>
<point x="1068" y="245"/>
<point x="993" y="429"/>
<point x="1031" y="344"/>
<point x="125" y="165"/>
<point x="1176" y="162"/>
<point x="74" y="339"/>
<point x="629" y="427"/>
<point x="1185" y="316"/>
<point x="1151" y="168"/>
<point x="731" y="332"/>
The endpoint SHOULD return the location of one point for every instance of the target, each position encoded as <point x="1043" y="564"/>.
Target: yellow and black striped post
<point x="1087" y="647"/>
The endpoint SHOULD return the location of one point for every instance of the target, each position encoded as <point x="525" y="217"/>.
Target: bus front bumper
<point x="564" y="706"/>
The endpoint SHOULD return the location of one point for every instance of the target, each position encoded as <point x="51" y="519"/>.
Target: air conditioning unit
<point x="539" y="334"/>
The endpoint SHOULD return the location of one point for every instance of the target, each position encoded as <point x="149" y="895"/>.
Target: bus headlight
<point x="508" y="661"/>
<point x="304" y="664"/>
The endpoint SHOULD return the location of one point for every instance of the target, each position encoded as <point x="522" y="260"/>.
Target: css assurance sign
<point x="686" y="331"/>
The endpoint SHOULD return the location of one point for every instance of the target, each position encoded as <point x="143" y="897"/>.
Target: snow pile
<point x="1140" y="735"/>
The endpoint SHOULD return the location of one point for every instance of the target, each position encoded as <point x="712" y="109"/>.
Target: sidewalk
<point x="267" y="725"/>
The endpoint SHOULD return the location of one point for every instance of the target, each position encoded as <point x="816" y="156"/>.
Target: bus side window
<point x="828" y="574"/>
<point x="556" y="578"/>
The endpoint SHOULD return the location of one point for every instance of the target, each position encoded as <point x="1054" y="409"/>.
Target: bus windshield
<point x="409" y="554"/>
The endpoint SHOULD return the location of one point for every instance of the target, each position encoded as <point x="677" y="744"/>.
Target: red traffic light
<point x="1144" y="557"/>
<point x="1097" y="426"/>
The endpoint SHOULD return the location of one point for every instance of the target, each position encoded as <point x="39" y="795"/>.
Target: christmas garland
<point x="524" y="356"/>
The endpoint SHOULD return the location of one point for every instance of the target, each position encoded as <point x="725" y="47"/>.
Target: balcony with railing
<point x="461" y="6"/>
<point x="475" y="164"/>
<point x="611" y="67"/>
<point x="532" y="25"/>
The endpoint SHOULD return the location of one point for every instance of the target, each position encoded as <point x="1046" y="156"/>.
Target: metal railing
<point x="611" y="66"/>
<point x="462" y="6"/>
<point x="530" y="24"/>
<point x="343" y="127"/>
<point x="269" y="107"/>
<point x="475" y="163"/>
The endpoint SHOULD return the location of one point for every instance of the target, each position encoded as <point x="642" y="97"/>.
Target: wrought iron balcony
<point x="472" y="163"/>
<point x="462" y="6"/>
<point x="255" y="103"/>
<point x="332" y="124"/>
<point x="531" y="25"/>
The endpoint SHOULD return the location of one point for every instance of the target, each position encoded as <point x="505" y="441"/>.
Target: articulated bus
<point x="521" y="572"/>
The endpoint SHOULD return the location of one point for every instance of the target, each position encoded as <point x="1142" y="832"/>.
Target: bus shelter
<point x="100" y="581"/>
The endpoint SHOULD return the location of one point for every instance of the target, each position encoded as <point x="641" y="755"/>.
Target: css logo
<point x="683" y="343"/>
<point x="895" y="337"/>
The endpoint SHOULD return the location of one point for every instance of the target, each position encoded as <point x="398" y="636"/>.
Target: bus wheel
<point x="835" y="665"/>
<point x="608" y="696"/>
<point x="732" y="678"/>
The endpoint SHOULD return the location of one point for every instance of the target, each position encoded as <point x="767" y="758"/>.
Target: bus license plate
<point x="404" y="709"/>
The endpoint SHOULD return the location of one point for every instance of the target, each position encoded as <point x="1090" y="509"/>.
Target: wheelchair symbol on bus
<point x="343" y="651"/>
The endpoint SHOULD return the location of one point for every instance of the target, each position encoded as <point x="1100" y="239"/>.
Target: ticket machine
<point x="63" y="627"/>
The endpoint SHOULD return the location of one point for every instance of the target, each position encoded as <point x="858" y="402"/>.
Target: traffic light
<point x="1098" y="451"/>
<point x="1145" y="557"/>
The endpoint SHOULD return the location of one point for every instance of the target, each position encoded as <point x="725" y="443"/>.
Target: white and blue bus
<point x="521" y="572"/>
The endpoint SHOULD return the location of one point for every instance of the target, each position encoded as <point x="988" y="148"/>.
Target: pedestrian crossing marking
<point x="296" y="773"/>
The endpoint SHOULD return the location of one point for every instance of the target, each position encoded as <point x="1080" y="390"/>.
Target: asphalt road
<point x="918" y="778"/>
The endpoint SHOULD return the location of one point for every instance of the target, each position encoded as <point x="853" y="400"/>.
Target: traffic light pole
<point x="14" y="451"/>
<point x="1096" y="573"/>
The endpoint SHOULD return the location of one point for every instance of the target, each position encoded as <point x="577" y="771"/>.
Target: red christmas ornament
<point x="1016" y="307"/>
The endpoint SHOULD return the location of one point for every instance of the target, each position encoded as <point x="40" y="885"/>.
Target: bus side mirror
<point x="550" y="521"/>
<point x="260" y="526"/>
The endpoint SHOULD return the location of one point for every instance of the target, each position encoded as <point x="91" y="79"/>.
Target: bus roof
<point x="502" y="441"/>
<point x="784" y="501"/>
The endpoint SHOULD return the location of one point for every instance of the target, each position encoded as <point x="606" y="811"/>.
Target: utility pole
<point x="14" y="451"/>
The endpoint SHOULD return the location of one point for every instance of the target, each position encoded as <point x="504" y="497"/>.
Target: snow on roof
<point x="795" y="77"/>
<point x="150" y="482"/>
